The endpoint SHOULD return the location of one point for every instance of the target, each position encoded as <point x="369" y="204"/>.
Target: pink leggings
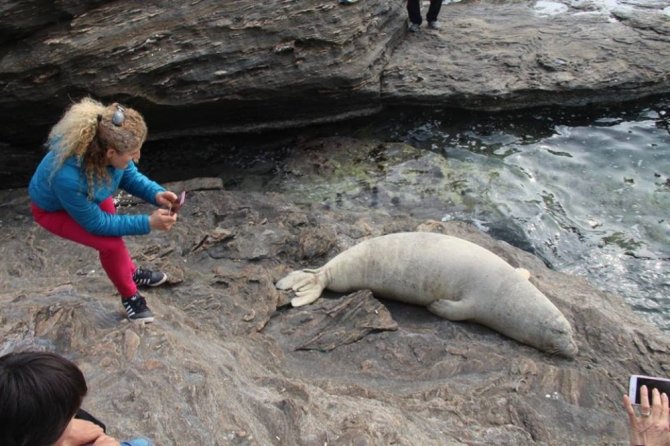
<point x="114" y="255"/>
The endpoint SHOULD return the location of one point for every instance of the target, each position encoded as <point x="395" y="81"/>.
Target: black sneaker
<point x="136" y="308"/>
<point x="145" y="277"/>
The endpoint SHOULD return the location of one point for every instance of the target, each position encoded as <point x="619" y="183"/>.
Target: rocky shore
<point x="228" y="362"/>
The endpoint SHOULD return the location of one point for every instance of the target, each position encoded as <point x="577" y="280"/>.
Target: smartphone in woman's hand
<point x="652" y="382"/>
<point x="176" y="205"/>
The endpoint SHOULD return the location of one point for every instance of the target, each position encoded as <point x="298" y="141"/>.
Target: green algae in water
<point x="619" y="239"/>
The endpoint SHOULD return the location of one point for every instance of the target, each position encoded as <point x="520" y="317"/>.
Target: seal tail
<point x="308" y="285"/>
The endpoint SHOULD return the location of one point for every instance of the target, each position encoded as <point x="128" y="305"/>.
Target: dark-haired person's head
<point x="40" y="392"/>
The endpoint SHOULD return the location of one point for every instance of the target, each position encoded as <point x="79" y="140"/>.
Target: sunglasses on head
<point x="119" y="116"/>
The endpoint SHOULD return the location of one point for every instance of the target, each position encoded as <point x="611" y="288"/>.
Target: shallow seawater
<point x="588" y="191"/>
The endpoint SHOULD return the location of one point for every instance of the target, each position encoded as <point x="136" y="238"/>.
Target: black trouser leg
<point x="433" y="11"/>
<point x="414" y="11"/>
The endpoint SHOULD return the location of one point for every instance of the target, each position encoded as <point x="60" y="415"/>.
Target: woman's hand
<point x="162" y="219"/>
<point x="652" y="427"/>
<point x="165" y="198"/>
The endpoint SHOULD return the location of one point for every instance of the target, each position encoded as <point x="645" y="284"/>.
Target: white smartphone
<point x="637" y="381"/>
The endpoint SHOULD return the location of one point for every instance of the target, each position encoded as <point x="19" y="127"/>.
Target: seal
<point x="453" y="278"/>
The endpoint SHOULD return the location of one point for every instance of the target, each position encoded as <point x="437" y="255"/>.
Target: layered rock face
<point x="204" y="65"/>
<point x="207" y="66"/>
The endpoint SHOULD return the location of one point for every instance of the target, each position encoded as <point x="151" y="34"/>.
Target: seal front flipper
<point x="453" y="310"/>
<point x="524" y="273"/>
<point x="308" y="285"/>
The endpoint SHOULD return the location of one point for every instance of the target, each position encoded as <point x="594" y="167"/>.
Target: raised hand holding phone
<point x="652" y="426"/>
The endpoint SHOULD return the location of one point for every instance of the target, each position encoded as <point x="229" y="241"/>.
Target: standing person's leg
<point x="114" y="255"/>
<point x="141" y="276"/>
<point x="433" y="10"/>
<point x="110" y="258"/>
<point x="414" y="11"/>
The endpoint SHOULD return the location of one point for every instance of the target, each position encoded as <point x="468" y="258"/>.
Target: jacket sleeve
<point x="93" y="219"/>
<point x="135" y="183"/>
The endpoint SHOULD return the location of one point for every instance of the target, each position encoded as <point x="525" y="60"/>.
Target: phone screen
<point x="637" y="381"/>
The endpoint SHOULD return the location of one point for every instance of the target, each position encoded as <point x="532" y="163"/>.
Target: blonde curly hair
<point x="86" y="131"/>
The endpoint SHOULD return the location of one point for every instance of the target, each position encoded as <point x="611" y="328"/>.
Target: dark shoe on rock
<point x="145" y="277"/>
<point x="136" y="308"/>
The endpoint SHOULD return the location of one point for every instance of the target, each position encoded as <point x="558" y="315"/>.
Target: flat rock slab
<point x="329" y="323"/>
<point x="497" y="55"/>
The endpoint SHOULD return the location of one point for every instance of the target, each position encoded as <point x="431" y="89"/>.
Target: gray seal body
<point x="453" y="278"/>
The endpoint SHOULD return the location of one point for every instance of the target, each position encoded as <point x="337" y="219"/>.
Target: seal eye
<point x="118" y="117"/>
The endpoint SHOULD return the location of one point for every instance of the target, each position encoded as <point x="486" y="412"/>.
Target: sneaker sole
<point x="145" y="320"/>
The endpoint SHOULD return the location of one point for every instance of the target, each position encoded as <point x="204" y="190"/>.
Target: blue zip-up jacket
<point x="67" y="189"/>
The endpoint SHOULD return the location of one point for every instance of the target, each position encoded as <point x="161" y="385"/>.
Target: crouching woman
<point x="92" y="152"/>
